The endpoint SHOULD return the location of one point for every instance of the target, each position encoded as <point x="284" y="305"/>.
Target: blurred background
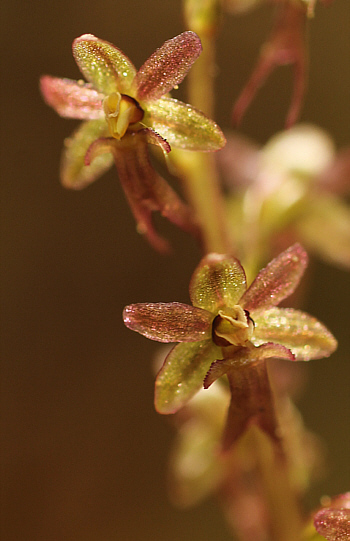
<point x="84" y="453"/>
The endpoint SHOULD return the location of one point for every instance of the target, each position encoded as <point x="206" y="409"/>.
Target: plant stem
<point x="281" y="499"/>
<point x="198" y="170"/>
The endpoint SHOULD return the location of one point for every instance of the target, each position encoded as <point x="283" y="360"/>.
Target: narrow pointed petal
<point x="75" y="174"/>
<point x="219" y="280"/>
<point x="285" y="45"/>
<point x="304" y="335"/>
<point x="72" y="99"/>
<point x="182" y="374"/>
<point x="325" y="229"/>
<point x="276" y="281"/>
<point x="168" y="322"/>
<point x="333" y="524"/>
<point x="103" y="64"/>
<point x="147" y="192"/>
<point x="251" y="403"/>
<point x="184" y="126"/>
<point x="243" y="356"/>
<point x="167" y="66"/>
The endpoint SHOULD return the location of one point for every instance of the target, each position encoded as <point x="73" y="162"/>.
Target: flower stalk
<point x="199" y="172"/>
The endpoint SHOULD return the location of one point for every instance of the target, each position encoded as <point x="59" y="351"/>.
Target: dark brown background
<point x="84" y="452"/>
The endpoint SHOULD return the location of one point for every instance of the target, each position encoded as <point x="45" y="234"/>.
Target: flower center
<point x="232" y="327"/>
<point x="121" y="111"/>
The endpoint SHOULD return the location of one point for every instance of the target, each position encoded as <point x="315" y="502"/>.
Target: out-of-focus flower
<point x="286" y="191"/>
<point x="232" y="330"/>
<point x="196" y="466"/>
<point x="123" y="110"/>
<point x="285" y="45"/>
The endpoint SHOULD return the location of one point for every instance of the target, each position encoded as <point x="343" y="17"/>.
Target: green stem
<point x="198" y="170"/>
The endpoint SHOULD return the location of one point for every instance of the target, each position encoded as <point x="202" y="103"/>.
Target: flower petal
<point x="304" y="335"/>
<point x="103" y="64"/>
<point x="219" y="280"/>
<point x="182" y="374"/>
<point x="235" y="358"/>
<point x="74" y="173"/>
<point x="285" y="45"/>
<point x="147" y="192"/>
<point x="251" y="403"/>
<point x="183" y="125"/>
<point x="72" y="99"/>
<point x="333" y="524"/>
<point x="276" y="281"/>
<point x="167" y="66"/>
<point x="168" y="322"/>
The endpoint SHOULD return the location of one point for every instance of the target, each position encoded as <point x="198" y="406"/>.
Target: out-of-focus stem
<point x="198" y="173"/>
<point x="198" y="170"/>
<point x="285" y="519"/>
<point x="258" y="495"/>
<point x="200" y="78"/>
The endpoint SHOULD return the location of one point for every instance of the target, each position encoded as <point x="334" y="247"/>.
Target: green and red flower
<point x="122" y="111"/>
<point x="232" y="330"/>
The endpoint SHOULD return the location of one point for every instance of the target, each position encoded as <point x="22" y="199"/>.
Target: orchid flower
<point x="294" y="187"/>
<point x="231" y="330"/>
<point x="123" y="110"/>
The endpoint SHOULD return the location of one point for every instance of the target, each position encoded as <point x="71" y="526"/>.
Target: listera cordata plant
<point x="229" y="334"/>
<point x="125" y="110"/>
<point x="231" y="330"/>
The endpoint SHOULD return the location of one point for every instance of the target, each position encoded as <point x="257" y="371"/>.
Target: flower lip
<point x="232" y="327"/>
<point x="121" y="111"/>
